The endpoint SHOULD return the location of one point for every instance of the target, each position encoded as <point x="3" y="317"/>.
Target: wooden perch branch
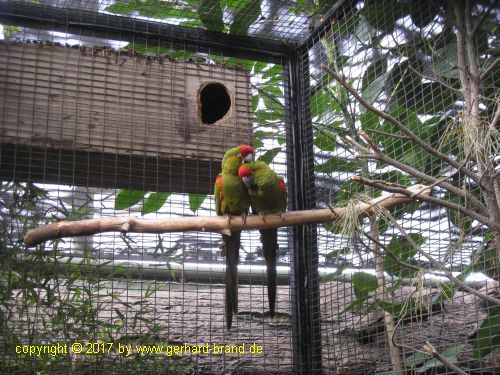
<point x="219" y="224"/>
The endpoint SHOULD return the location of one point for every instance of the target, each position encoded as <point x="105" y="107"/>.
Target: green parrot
<point x="232" y="198"/>
<point x="267" y="192"/>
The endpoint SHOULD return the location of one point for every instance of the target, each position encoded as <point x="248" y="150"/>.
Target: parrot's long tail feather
<point x="232" y="246"/>
<point x="269" y="238"/>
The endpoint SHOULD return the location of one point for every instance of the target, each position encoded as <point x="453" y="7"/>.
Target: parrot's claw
<point x="263" y="216"/>
<point x="244" y="218"/>
<point x="229" y="218"/>
<point x="222" y="248"/>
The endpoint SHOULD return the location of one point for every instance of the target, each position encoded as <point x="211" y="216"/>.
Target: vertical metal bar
<point x="304" y="263"/>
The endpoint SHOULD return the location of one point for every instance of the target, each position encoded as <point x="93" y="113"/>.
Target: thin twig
<point x="431" y="350"/>
<point x="387" y="251"/>
<point x="397" y="136"/>
<point x="487" y="69"/>
<point x="435" y="79"/>
<point x="439" y="265"/>
<point x="423" y="176"/>
<point x="456" y="207"/>
<point x="399" y="125"/>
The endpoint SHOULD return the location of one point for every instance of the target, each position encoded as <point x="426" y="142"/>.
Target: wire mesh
<point x="275" y="20"/>
<point x="401" y="59"/>
<point x="93" y="128"/>
<point x="102" y="120"/>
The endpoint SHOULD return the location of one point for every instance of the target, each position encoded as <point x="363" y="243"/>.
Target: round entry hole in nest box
<point x="215" y="102"/>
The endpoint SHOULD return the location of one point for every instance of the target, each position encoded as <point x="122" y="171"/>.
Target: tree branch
<point x="377" y="154"/>
<point x="427" y="198"/>
<point x="487" y="69"/>
<point x="431" y="350"/>
<point x="219" y="224"/>
<point x="440" y="266"/>
<point x="431" y="150"/>
<point x="462" y="72"/>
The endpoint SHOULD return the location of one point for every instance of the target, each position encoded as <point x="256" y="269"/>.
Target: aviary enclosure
<point x="124" y="109"/>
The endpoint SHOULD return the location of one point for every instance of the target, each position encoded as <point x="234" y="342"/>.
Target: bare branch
<point x="387" y="251"/>
<point x="487" y="69"/>
<point x="495" y="118"/>
<point x="427" y="198"/>
<point x="440" y="266"/>
<point x="217" y="224"/>
<point x="431" y="150"/>
<point x="423" y="176"/>
<point x="462" y="71"/>
<point x="435" y="79"/>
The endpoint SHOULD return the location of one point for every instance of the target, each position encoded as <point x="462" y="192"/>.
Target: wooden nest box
<point x="98" y="117"/>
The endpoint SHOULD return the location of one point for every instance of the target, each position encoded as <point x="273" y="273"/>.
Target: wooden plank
<point x="101" y="101"/>
<point x="115" y="171"/>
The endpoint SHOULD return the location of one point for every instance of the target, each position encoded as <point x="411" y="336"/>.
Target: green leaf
<point x="245" y="15"/>
<point x="195" y="201"/>
<point x="383" y="14"/>
<point x="258" y="67"/>
<point x="210" y="13"/>
<point x="347" y="190"/>
<point x="444" y="61"/>
<point x="332" y="276"/>
<point x="270" y="95"/>
<point x="263" y="117"/>
<point x="450" y="354"/>
<point x="323" y="103"/>
<point x="397" y="146"/>
<point x="429" y="98"/>
<point x="447" y="292"/>
<point x="127" y="198"/>
<point x="346" y="24"/>
<point x="372" y="91"/>
<point x="255" y="102"/>
<point x="269" y="155"/>
<point x="355" y="305"/>
<point x="488" y="335"/>
<point x="374" y="71"/>
<point x="404" y="251"/>
<point x="337" y="164"/>
<point x="274" y="73"/>
<point x="257" y="142"/>
<point x="325" y="140"/>
<point x="394" y="177"/>
<point x="154" y="202"/>
<point x="363" y="283"/>
<point x="404" y="77"/>
<point x="337" y="253"/>
<point x="416" y="359"/>
<point x="422" y="12"/>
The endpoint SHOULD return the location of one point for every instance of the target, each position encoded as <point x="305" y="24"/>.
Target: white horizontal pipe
<point x="214" y="272"/>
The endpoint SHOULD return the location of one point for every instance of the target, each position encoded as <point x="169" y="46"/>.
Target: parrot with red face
<point x="232" y="198"/>
<point x="267" y="193"/>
